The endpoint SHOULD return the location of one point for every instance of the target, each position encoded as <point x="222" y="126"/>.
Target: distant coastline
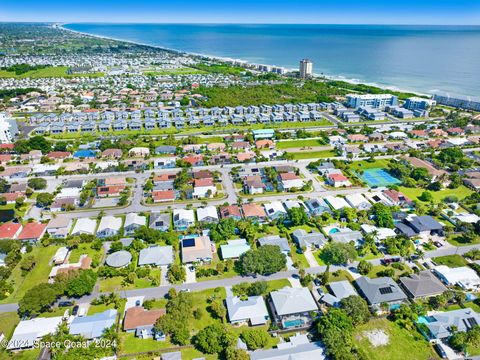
<point x="328" y="75"/>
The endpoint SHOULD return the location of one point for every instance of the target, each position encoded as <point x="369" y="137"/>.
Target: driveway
<point x="312" y="262"/>
<point x="290" y="263"/>
<point x="131" y="301"/>
<point x="191" y="277"/>
<point x="294" y="282"/>
<point x="163" y="276"/>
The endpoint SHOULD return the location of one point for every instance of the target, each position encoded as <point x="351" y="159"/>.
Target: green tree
<point x="44" y="199"/>
<point x="339" y="253"/>
<point x="82" y="284"/>
<point x="298" y="216"/>
<point x="364" y="267"/>
<point x="236" y="354"/>
<point x="267" y="259"/>
<point x="255" y="338"/>
<point x="214" y="339"/>
<point x="38" y="299"/>
<point x="37" y="183"/>
<point x="426" y="196"/>
<point x="176" y="274"/>
<point x="382" y="215"/>
<point x="356" y="308"/>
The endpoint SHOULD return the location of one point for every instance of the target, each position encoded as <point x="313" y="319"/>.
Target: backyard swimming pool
<point x="378" y="177"/>
<point x="293" y="323"/>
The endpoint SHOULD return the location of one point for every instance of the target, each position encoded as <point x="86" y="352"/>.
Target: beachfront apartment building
<point x="458" y="101"/>
<point x="375" y="101"/>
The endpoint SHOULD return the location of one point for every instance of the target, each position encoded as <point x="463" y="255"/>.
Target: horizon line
<point x="227" y="23"/>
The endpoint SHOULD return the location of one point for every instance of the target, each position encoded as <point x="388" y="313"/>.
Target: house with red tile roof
<point x="418" y="133"/>
<point x="105" y="191"/>
<point x="112" y="153"/>
<point x="141" y="321"/>
<point x="456" y="131"/>
<point x="5" y="158"/>
<point x="338" y="180"/>
<point x="10" y="230"/>
<point x="230" y="211"/>
<point x="264" y="144"/>
<point x="357" y="137"/>
<point x="194" y="160"/>
<point x="11" y="197"/>
<point x="438" y="132"/>
<point x="290" y="181"/>
<point x="397" y="198"/>
<point x="58" y="155"/>
<point x="163" y="196"/>
<point x="32" y="231"/>
<point x="203" y="188"/>
<point x="245" y="156"/>
<point x="254" y="212"/>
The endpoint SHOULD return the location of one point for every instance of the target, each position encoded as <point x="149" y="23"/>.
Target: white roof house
<point x="134" y="221"/>
<point x="84" y="226"/>
<point x="156" y="255"/>
<point x="382" y="233"/>
<point x="139" y="151"/>
<point x="109" y="226"/>
<point x="467" y="218"/>
<point x="378" y="197"/>
<point x="252" y="310"/>
<point x="358" y="201"/>
<point x="27" y="331"/>
<point x="275" y="210"/>
<point x="337" y="203"/>
<point x="68" y="193"/>
<point x="207" y="214"/>
<point x="463" y="276"/>
<point x="183" y="218"/>
<point x="293" y="301"/>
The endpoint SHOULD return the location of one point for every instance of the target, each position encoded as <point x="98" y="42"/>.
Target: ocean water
<point x="420" y="58"/>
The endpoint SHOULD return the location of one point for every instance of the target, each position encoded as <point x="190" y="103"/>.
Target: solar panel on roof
<point x="385" y="290"/>
<point x="188" y="242"/>
<point x="470" y="322"/>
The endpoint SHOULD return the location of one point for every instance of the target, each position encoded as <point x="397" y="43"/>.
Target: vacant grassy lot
<point x="377" y="269"/>
<point x="129" y="344"/>
<point x="8" y="321"/>
<point x="451" y="261"/>
<point x="364" y="164"/>
<point x="402" y="344"/>
<point x="461" y="192"/>
<point x="323" y="154"/>
<point x="39" y="274"/>
<point x="49" y="72"/>
<point x="289" y="144"/>
<point x="116" y="283"/>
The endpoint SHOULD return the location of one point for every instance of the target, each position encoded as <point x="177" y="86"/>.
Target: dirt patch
<point x="377" y="337"/>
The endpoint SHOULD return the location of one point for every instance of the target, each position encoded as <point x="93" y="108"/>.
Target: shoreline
<point x="226" y="59"/>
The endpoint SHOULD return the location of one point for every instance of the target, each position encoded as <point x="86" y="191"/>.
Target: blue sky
<point x="458" y="12"/>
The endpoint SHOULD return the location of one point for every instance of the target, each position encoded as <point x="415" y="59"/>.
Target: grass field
<point x="49" y="72"/>
<point x="178" y="71"/>
<point x="363" y="164"/>
<point x="8" y="321"/>
<point x="451" y="261"/>
<point x="300" y="258"/>
<point x="378" y="268"/>
<point x="87" y="250"/>
<point x="129" y="344"/>
<point x="288" y="144"/>
<point x="323" y="154"/>
<point x="402" y="345"/>
<point x="461" y="192"/>
<point x="38" y="275"/>
<point x="194" y="130"/>
<point x="115" y="283"/>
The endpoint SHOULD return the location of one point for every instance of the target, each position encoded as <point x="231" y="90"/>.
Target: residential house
<point x="289" y="181"/>
<point x="253" y="185"/>
<point x="133" y="221"/>
<point x="292" y="307"/>
<point x="109" y="226"/>
<point x="84" y="226"/>
<point x="316" y="207"/>
<point x="140" y="321"/>
<point x="299" y="347"/>
<point x="160" y="221"/>
<point x="338" y="180"/>
<point x="10" y="230"/>
<point x="139" y="152"/>
<point x="183" y="219"/>
<point x="275" y="210"/>
<point x="204" y="188"/>
<point x="358" y="201"/>
<point x="442" y="325"/>
<point x="163" y="196"/>
<point x="463" y="276"/>
<point x="156" y="256"/>
<point x="234" y="248"/>
<point x="28" y="332"/>
<point x="275" y="240"/>
<point x="254" y="212"/>
<point x="196" y="248"/>
<point x="231" y="211"/>
<point x="382" y="290"/>
<point x="207" y="214"/>
<point x="312" y="240"/>
<point x="93" y="326"/>
<point x="422" y="285"/>
<point x="252" y="310"/>
<point x="59" y="227"/>
<point x="32" y="232"/>
<point x="338" y="290"/>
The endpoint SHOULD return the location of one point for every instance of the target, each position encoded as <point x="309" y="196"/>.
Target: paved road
<point x="161" y="291"/>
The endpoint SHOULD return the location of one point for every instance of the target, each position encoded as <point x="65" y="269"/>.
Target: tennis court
<point x="378" y="177"/>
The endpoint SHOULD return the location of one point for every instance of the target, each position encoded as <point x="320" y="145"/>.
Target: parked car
<point x="75" y="310"/>
<point x="439" y="348"/>
<point x="185" y="290"/>
<point x="65" y="303"/>
<point x="438" y="244"/>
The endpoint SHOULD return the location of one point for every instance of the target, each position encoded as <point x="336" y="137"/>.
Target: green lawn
<point x="300" y="258"/>
<point x="288" y="144"/>
<point x="323" y="154"/>
<point x="378" y="268"/>
<point x="200" y="301"/>
<point x="178" y="71"/>
<point x="277" y="284"/>
<point x="95" y="309"/>
<point x="87" y="250"/>
<point x="190" y="354"/>
<point x="458" y="240"/>
<point x="129" y="344"/>
<point x="364" y="164"/>
<point x="49" y="72"/>
<point x="461" y="192"/>
<point x="8" y="322"/>
<point x="39" y="274"/>
<point x="22" y="355"/>
<point x="403" y="344"/>
<point x="452" y="261"/>
<point x="115" y="283"/>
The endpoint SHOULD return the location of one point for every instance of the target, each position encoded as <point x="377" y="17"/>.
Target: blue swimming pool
<point x="333" y="231"/>
<point x="425" y="319"/>
<point x="378" y="177"/>
<point x="293" y="323"/>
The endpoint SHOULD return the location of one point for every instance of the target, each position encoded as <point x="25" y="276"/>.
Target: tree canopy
<point x="267" y="259"/>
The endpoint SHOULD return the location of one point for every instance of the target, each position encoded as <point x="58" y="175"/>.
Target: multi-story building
<point x="416" y="103"/>
<point x="375" y="101"/>
<point x="458" y="101"/>
<point x="306" y="68"/>
<point x="8" y="129"/>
